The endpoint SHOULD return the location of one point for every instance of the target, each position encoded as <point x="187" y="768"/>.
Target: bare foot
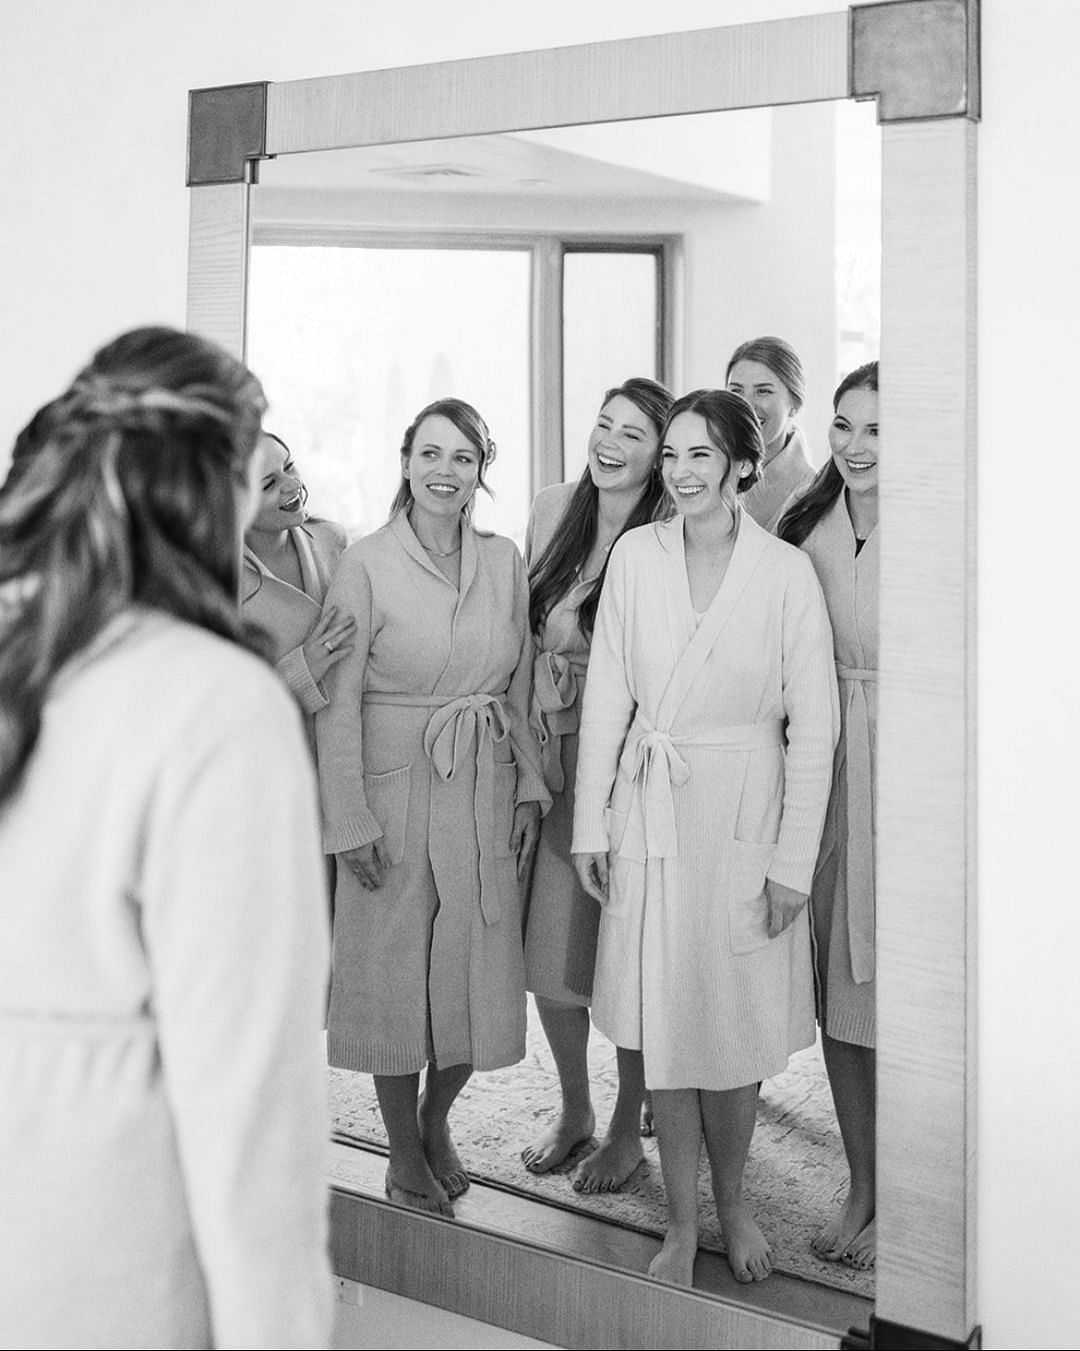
<point x="861" y="1252"/>
<point x="845" y="1226"/>
<point x="647" y="1128"/>
<point x="443" y="1158"/>
<point x="674" y="1262"/>
<point x="418" y="1190"/>
<point x="607" y="1168"/>
<point x="748" y="1251"/>
<point x="561" y="1137"/>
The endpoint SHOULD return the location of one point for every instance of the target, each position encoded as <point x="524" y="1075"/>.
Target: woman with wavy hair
<point x="165" y="948"/>
<point x="432" y="796"/>
<point x="768" y="374"/>
<point x="706" y="742"/>
<point x="836" y="523"/>
<point x="571" y="531"/>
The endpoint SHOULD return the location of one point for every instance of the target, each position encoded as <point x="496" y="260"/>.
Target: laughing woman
<point x="572" y="529"/>
<point x="704" y="766"/>
<point x="432" y="797"/>
<point x="288" y="562"/>
<point x="768" y="374"/>
<point x="835" y="522"/>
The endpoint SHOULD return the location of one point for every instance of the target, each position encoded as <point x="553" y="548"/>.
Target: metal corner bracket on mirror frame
<point x="919" y="59"/>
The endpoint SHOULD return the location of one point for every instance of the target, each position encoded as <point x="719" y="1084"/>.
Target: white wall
<point x="93" y="224"/>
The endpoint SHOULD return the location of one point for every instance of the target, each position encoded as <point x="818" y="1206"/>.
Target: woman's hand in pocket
<point x="524" y="834"/>
<point x="785" y="905"/>
<point x="592" y="871"/>
<point x="370" y="863"/>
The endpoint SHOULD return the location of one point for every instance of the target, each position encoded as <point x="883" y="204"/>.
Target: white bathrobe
<point x="163" y="1114"/>
<point x="705" y="760"/>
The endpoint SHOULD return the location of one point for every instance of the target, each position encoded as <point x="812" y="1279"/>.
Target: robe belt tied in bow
<point x="658" y="768"/>
<point x="557" y="681"/>
<point x="469" y="723"/>
<point x="859" y="781"/>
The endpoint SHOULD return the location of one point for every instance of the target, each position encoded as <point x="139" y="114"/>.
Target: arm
<point x="812" y="707"/>
<point x="306" y="666"/>
<point x="608" y="706"/>
<point x="530" y="773"/>
<point x="348" y="823"/>
<point x="234" y="916"/>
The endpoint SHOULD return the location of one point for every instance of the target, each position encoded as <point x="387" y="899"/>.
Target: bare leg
<point x="677" y="1118"/>
<point x="441" y="1087"/>
<point x="647" y="1115"/>
<point x="852" y="1080"/>
<point x="566" y="1027"/>
<point x="409" y="1179"/>
<point x="607" y="1168"/>
<point x="729" y="1118"/>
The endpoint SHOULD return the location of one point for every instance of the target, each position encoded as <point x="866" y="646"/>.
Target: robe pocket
<point x="505" y="793"/>
<point x="748" y="906"/>
<point x="388" y="801"/>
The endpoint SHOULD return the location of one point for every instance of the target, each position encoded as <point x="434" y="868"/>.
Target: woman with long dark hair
<point x="289" y="559"/>
<point x="768" y="374"/>
<point x="836" y="523"/>
<point x="165" y="952"/>
<point x="706" y="742"/>
<point x="571" y="531"/>
<point x="432" y="795"/>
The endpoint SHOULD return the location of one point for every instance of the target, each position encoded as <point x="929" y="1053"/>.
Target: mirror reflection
<point x="494" y="336"/>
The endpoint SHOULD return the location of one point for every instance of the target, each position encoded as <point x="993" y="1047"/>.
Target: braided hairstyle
<point x="125" y="490"/>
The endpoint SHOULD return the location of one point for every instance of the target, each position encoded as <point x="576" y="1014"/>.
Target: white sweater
<point x="162" y="982"/>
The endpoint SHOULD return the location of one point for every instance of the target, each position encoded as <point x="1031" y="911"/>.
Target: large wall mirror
<point x="525" y="232"/>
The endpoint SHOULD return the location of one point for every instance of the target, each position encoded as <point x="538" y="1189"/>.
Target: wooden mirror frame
<point x="919" y="59"/>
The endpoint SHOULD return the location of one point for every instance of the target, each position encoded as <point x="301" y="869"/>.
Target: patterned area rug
<point x="795" y="1176"/>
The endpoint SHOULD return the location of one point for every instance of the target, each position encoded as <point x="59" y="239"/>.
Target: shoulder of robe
<point x="172" y="672"/>
<point x="327" y="533"/>
<point x="499" y="548"/>
<point x="550" y="502"/>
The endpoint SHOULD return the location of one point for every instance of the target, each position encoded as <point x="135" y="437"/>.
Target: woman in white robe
<point x="163" y="1114"/>
<point x="836" y="523"/>
<point x="706" y="743"/>
<point x="768" y="374"/>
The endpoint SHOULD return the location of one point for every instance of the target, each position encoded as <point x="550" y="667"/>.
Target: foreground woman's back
<point x="162" y="1098"/>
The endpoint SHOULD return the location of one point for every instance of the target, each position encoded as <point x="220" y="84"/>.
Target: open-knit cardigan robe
<point x="704" y="765"/>
<point x="563" y="922"/>
<point x="785" y="475"/>
<point x="426" y="743"/>
<point x="843" y="894"/>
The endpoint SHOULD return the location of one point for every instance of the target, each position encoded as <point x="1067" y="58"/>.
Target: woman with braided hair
<point x="163" y="967"/>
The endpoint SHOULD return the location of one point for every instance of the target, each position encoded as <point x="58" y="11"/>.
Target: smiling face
<point x="281" y="493"/>
<point x="853" y="440"/>
<point x="695" y="469"/>
<point x="767" y="395"/>
<point x="622" y="447"/>
<point x="443" y="468"/>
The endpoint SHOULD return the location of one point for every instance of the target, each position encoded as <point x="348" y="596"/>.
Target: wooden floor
<point x="384" y="1246"/>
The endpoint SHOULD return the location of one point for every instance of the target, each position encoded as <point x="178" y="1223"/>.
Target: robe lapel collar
<point x="403" y="533"/>
<point x="749" y="547"/>
<point x="310" y="571"/>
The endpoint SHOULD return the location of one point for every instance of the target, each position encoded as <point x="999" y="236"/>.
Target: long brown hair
<point x="802" y="516"/>
<point x="557" y="568"/>
<point x="126" y="493"/>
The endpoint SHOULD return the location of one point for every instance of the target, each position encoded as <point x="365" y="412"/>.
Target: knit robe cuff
<point x="351" y="833"/>
<point x="531" y="788"/>
<point x="294" y="668"/>
<point x="590" y="830"/>
<point x="798" y="875"/>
